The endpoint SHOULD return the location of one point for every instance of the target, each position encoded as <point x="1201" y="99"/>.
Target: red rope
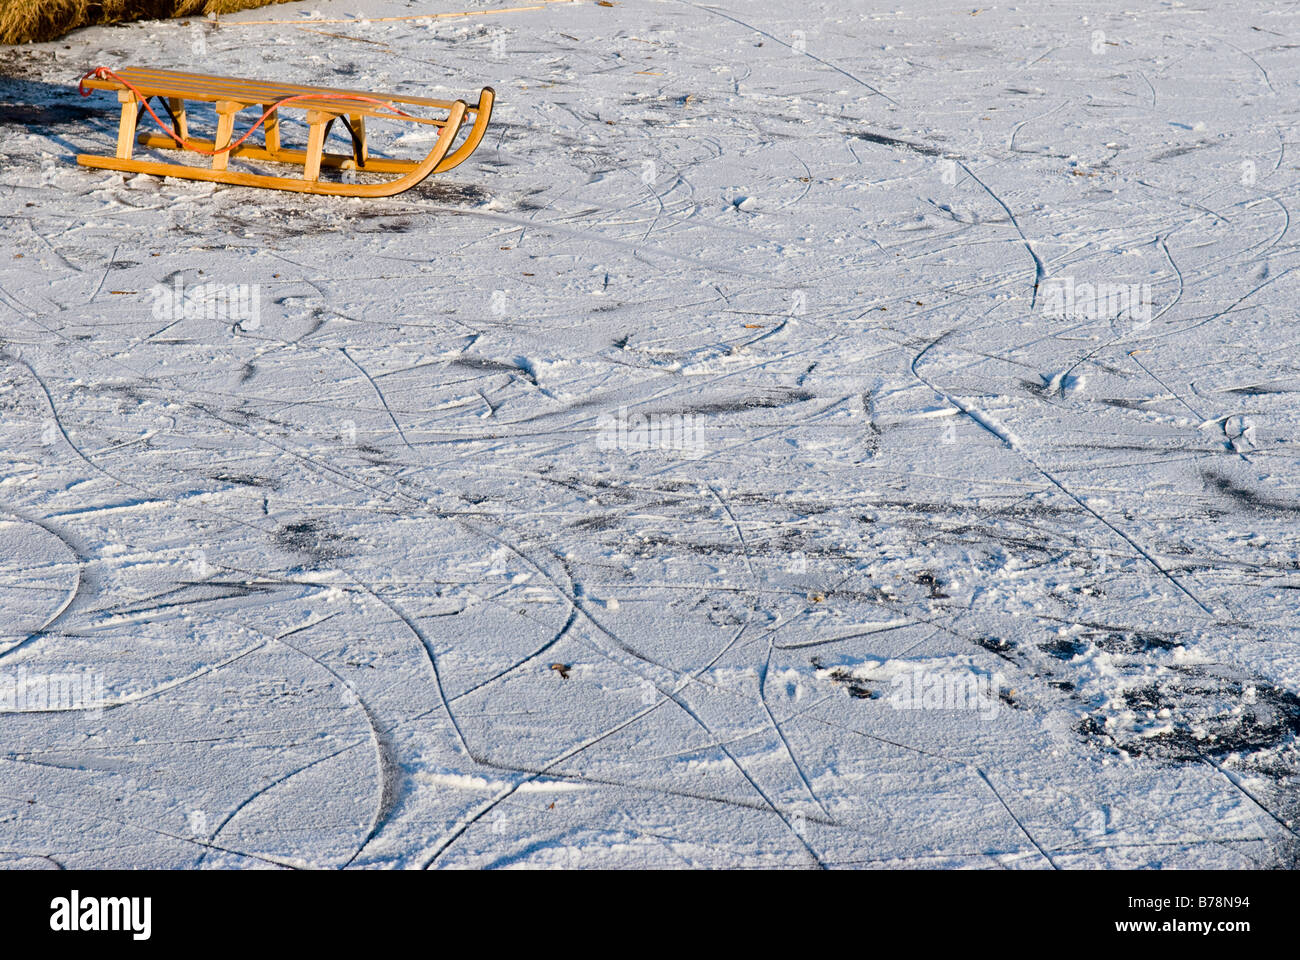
<point x="103" y="73"/>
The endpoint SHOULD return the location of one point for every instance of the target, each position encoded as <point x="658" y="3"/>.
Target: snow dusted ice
<point x="859" y="435"/>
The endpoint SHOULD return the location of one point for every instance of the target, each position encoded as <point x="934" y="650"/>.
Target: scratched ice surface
<point x="394" y="575"/>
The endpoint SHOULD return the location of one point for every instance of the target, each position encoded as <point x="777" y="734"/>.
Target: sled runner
<point x="136" y="86"/>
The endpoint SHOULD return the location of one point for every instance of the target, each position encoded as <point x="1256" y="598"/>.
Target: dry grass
<point x="26" y="21"/>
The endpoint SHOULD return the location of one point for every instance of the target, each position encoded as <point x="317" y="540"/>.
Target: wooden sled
<point x="135" y="86"/>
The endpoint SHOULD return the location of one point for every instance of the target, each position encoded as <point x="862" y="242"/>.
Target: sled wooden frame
<point x="231" y="95"/>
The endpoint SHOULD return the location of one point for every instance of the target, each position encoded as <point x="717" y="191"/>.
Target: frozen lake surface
<point x="859" y="438"/>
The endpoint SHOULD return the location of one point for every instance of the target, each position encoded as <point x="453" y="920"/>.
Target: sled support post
<point x="226" y="110"/>
<point x="358" y="122"/>
<point x="126" y="129"/>
<point x="271" y="129"/>
<point x="177" y="106"/>
<point x="315" y="144"/>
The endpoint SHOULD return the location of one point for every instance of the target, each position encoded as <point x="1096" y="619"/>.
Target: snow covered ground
<point x="864" y="436"/>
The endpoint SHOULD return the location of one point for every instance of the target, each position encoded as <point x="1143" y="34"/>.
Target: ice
<point x="578" y="507"/>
